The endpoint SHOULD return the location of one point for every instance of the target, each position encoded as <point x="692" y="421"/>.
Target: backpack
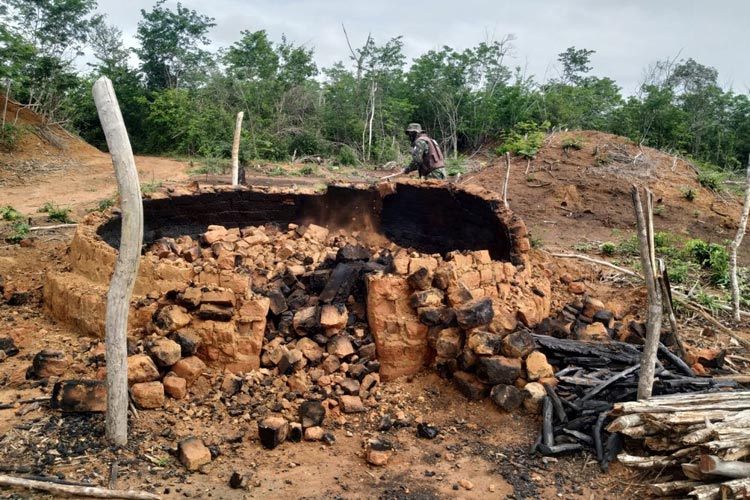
<point x="433" y="158"/>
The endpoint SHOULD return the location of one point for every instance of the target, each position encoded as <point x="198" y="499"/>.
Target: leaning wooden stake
<point x="236" y="149"/>
<point x="83" y="491"/>
<point x="126" y="268"/>
<point x="507" y="176"/>
<point x="663" y="279"/>
<point x="736" y="245"/>
<point x="653" y="325"/>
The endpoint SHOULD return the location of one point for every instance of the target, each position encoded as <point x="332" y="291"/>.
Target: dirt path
<point x="84" y="184"/>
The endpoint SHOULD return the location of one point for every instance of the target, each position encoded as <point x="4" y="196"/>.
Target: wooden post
<point x="7" y="96"/>
<point x="736" y="245"/>
<point x="126" y="268"/>
<point x="653" y="325"/>
<point x="236" y="149"/>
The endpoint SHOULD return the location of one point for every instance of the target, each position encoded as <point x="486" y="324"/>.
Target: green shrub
<point x="575" y="142"/>
<point x="212" y="166"/>
<point x="711" y="180"/>
<point x="45" y="209"/>
<point x="629" y="246"/>
<point x="307" y="170"/>
<point x="688" y="193"/>
<point x="346" y="156"/>
<point x="712" y="257"/>
<point x="61" y="215"/>
<point x="608" y="248"/>
<point x="20" y="230"/>
<point x="679" y="271"/>
<point x="105" y="204"/>
<point x="150" y="187"/>
<point x="524" y="140"/>
<point x="455" y="166"/>
<point x="10" y="137"/>
<point x="9" y="213"/>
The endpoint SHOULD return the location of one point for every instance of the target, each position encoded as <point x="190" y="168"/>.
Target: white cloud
<point x="627" y="36"/>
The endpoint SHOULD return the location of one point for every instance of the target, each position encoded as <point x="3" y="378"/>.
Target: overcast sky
<point x="626" y="35"/>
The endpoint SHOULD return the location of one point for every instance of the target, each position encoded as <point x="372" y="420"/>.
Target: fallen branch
<point x="86" y="491"/>
<point x="718" y="325"/>
<point x="597" y="261"/>
<point x="57" y="226"/>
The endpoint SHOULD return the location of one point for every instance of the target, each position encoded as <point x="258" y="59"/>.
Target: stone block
<point x="351" y="404"/>
<point x="193" y="454"/>
<point x="48" y="363"/>
<point x="272" y="431"/>
<point x="449" y="343"/>
<point x="311" y="414"/>
<point x="189" y="368"/>
<point x="163" y="351"/>
<point x="484" y="343"/>
<point x="470" y="386"/>
<point x="518" y="344"/>
<point x="537" y="366"/>
<point x="506" y="397"/>
<point x="498" y="369"/>
<point x="148" y="395"/>
<point x="475" y="313"/>
<point x="141" y="368"/>
<point x="80" y="396"/>
<point x="174" y="386"/>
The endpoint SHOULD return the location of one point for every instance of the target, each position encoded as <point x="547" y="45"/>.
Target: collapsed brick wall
<point x="237" y="289"/>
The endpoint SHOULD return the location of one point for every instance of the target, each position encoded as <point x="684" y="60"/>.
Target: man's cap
<point x="414" y="127"/>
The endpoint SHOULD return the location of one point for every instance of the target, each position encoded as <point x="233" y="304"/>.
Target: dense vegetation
<point x="182" y="99"/>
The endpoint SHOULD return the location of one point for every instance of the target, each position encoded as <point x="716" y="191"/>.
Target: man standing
<point x="426" y="154"/>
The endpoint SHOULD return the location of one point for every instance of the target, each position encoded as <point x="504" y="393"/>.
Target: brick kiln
<point x="352" y="281"/>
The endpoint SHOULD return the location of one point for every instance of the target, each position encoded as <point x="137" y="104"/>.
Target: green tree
<point x="576" y="99"/>
<point x="171" y="46"/>
<point x="57" y="30"/>
<point x="111" y="61"/>
<point x="252" y="57"/>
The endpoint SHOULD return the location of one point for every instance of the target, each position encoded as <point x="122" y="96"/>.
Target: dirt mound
<point x="577" y="197"/>
<point x="42" y="147"/>
<point x="52" y="165"/>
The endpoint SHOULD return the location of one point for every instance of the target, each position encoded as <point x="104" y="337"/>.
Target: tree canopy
<point x="181" y="97"/>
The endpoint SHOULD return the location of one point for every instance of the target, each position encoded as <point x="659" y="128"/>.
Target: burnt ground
<point x="568" y="200"/>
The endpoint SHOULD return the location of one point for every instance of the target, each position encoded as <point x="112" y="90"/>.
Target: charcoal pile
<point x="698" y="437"/>
<point x="594" y="377"/>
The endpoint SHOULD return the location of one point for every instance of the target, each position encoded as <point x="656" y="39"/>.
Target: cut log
<point x="739" y="488"/>
<point x="651" y="462"/>
<point x="672" y="488"/>
<point x="711" y="464"/>
<point x="621" y="423"/>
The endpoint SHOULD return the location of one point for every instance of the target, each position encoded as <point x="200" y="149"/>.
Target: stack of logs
<point x="698" y="436"/>
<point x="593" y="378"/>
